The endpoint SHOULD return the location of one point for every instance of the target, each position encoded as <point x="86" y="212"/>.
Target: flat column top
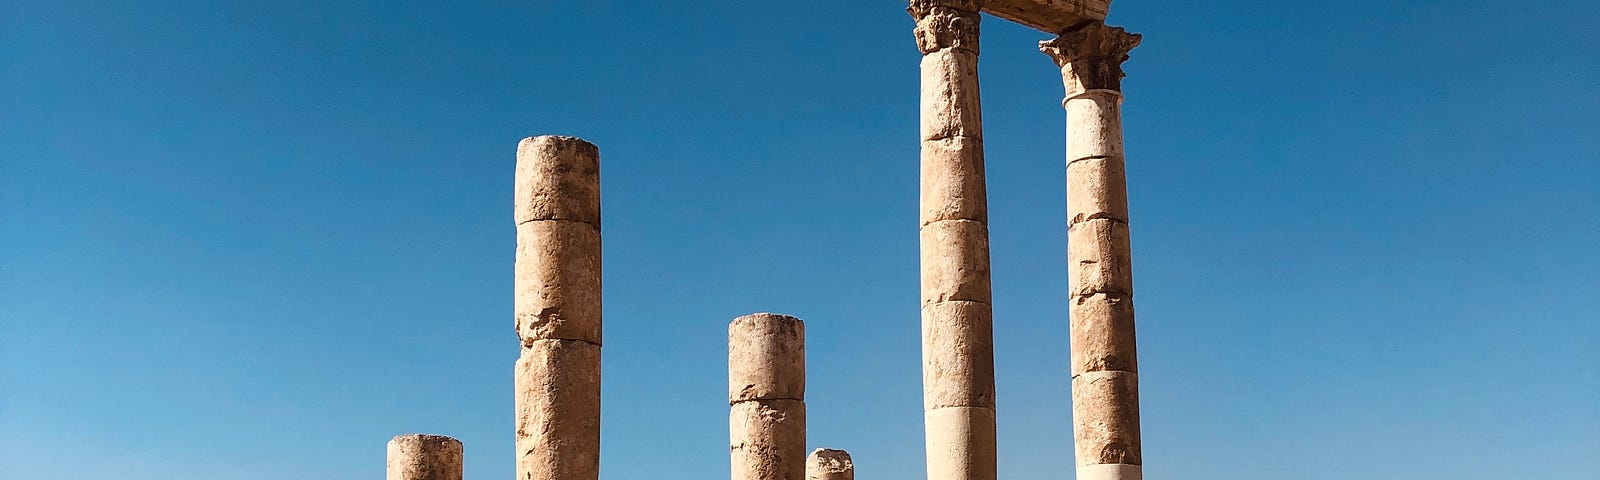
<point x="1051" y="16"/>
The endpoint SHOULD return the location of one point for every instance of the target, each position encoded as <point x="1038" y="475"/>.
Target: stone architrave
<point x="557" y="307"/>
<point x="1105" y="378"/>
<point x="766" y="397"/>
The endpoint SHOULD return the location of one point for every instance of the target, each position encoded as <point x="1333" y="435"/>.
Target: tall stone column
<point x="766" y="397"/>
<point x="830" y="464"/>
<point x="424" y="457"/>
<point x="1105" y="379"/>
<point x="557" y="304"/>
<point x="957" y="338"/>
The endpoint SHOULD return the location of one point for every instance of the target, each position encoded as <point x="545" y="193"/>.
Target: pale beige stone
<point x="1094" y="125"/>
<point x="557" y="285"/>
<point x="766" y="358"/>
<point x="1102" y="334"/>
<point x="767" y="439"/>
<point x="954" y="237"/>
<point x="558" y="410"/>
<point x="952" y="180"/>
<point x="950" y="103"/>
<point x="961" y="443"/>
<point x="946" y="24"/>
<point x="1105" y="393"/>
<point x="557" y="178"/>
<point x="957" y="355"/>
<point x="1090" y="56"/>
<point x="955" y="261"/>
<point x="1097" y="188"/>
<point x="1098" y="253"/>
<point x="1110" y="471"/>
<point x="1105" y="414"/>
<point x="830" y="464"/>
<point x="1050" y="16"/>
<point x="424" y="457"/>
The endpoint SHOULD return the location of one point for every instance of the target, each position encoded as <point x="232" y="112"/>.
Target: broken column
<point x="1105" y="379"/>
<point x="424" y="457"/>
<point x="830" y="464"/>
<point x="766" y="397"/>
<point x="557" y="305"/>
<point x="957" y="338"/>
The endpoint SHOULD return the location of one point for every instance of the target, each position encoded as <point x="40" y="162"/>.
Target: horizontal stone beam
<point x="1051" y="16"/>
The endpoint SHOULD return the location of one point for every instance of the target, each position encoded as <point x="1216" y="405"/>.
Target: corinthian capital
<point x="918" y="8"/>
<point x="946" y="24"/>
<point x="1091" y="56"/>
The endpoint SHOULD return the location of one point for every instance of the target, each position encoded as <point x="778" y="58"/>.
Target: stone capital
<point x="946" y="24"/>
<point x="920" y="8"/>
<point x="1091" y="56"/>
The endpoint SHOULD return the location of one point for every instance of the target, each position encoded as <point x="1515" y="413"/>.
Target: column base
<point x="1111" y="471"/>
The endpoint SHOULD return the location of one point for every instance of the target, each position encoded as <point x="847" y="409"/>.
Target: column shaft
<point x="766" y="397"/>
<point x="557" y="306"/>
<point x="424" y="457"/>
<point x="957" y="338"/>
<point x="1105" y="382"/>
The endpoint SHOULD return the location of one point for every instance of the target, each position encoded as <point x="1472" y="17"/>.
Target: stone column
<point x="424" y="457"/>
<point x="957" y="338"/>
<point x="766" y="396"/>
<point x="557" y="304"/>
<point x="1105" y="379"/>
<point x="830" y="464"/>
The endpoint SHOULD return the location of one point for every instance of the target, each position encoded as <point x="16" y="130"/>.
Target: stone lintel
<point x="1051" y="16"/>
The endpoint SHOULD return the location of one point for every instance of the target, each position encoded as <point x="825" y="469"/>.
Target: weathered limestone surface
<point x="558" y="410"/>
<point x="1105" y="379"/>
<point x="557" y="307"/>
<point x="558" y="281"/>
<point x="766" y="397"/>
<point x="424" y="457"/>
<point x="961" y="443"/>
<point x="768" y="439"/>
<point x="1110" y="471"/>
<point x="957" y="355"/>
<point x="950" y="92"/>
<point x="1097" y="188"/>
<point x="957" y="338"/>
<point x="557" y="178"/>
<point x="1102" y="333"/>
<point x="1105" y="412"/>
<point x="766" y="358"/>
<point x="955" y="262"/>
<point x="952" y="180"/>
<point x="1098" y="251"/>
<point x="830" y="464"/>
<point x="1051" y="16"/>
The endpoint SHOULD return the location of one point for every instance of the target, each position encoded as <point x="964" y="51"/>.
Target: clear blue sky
<point x="254" y="240"/>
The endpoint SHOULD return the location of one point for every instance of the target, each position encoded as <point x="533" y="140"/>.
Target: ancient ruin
<point x="558" y="305"/>
<point x="829" y="464"/>
<point x="766" y="397"/>
<point x="424" y="457"/>
<point x="957" y="329"/>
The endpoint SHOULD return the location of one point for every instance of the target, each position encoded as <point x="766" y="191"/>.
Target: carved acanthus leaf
<point x="946" y="24"/>
<point x="1091" y="40"/>
<point x="921" y="8"/>
<point x="1091" y="55"/>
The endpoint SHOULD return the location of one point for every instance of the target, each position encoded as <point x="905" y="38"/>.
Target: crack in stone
<point x="531" y="220"/>
<point x="1097" y="157"/>
<point x="1080" y="218"/>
